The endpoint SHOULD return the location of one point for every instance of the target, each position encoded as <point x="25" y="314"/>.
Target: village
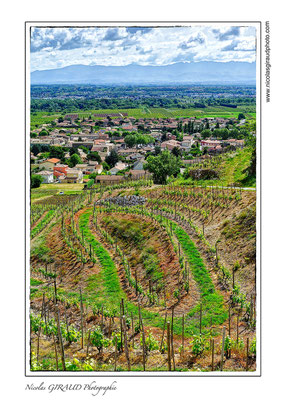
<point x="105" y="155"/>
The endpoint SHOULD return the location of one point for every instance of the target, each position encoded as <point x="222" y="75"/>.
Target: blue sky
<point x="59" y="47"/>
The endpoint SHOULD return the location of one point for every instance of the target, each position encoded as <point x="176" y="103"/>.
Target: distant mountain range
<point x="181" y="73"/>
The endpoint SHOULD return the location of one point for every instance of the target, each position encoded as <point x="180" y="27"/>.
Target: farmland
<point x="164" y="285"/>
<point x="40" y="117"/>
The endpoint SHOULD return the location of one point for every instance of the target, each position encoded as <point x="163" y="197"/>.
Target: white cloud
<point x="54" y="47"/>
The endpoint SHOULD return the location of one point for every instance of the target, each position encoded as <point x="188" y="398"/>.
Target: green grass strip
<point x="40" y="226"/>
<point x="111" y="293"/>
<point x="212" y="301"/>
<point x="109" y="271"/>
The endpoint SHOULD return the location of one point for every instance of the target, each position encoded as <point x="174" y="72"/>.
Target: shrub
<point x="36" y="181"/>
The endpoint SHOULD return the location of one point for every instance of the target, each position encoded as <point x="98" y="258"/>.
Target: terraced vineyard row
<point x="147" y="285"/>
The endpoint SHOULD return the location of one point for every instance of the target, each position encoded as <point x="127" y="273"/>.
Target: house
<point x="120" y="165"/>
<point x="187" y="144"/>
<point x="93" y="168"/>
<point x="98" y="168"/>
<point x="60" y="170"/>
<point x="48" y="176"/>
<point x="74" y="175"/>
<point x="215" y="149"/>
<point x="114" y="170"/>
<point x="170" y="144"/>
<point x="109" y="179"/>
<point x="81" y="167"/>
<point x="137" y="174"/>
<point x="82" y="154"/>
<point x="138" y="165"/>
<point x="129" y="127"/>
<point x="49" y="164"/>
<point x="210" y="143"/>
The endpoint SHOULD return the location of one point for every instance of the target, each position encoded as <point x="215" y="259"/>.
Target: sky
<point x="59" y="47"/>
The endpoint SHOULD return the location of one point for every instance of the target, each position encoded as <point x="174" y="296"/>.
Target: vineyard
<point x="143" y="277"/>
<point x="40" y="117"/>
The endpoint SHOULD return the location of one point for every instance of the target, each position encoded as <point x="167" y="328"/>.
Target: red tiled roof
<point x="54" y="160"/>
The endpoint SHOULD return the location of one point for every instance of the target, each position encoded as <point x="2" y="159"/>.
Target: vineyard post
<point x="201" y="310"/>
<point x="125" y="342"/>
<point x="212" y="354"/>
<point x="229" y="318"/>
<point x="122" y="305"/>
<point x="44" y="311"/>
<point x="56" y="352"/>
<point x="87" y="345"/>
<point x="136" y="287"/>
<point x="38" y="343"/>
<point x="115" y="358"/>
<point x="132" y="329"/>
<point x="222" y="348"/>
<point x="60" y="337"/>
<point x="121" y="328"/>
<point x="67" y="324"/>
<point x="247" y="353"/>
<point x="143" y="335"/>
<point x="233" y="271"/>
<point x="163" y="331"/>
<point x="183" y="333"/>
<point x="237" y="330"/>
<point x="251" y="308"/>
<point x="81" y="318"/>
<point x="109" y="329"/>
<point x="172" y="339"/>
<point x="216" y="255"/>
<point x="168" y="345"/>
<point x="55" y="287"/>
<point x="101" y="317"/>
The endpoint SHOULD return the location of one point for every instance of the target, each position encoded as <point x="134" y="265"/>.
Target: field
<point x="39" y="118"/>
<point x="123" y="285"/>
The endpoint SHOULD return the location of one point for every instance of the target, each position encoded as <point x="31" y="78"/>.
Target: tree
<point x="93" y="175"/>
<point x="240" y="116"/>
<point x="138" y="138"/>
<point x="177" y="151"/>
<point x="36" y="149"/>
<point x="74" y="160"/>
<point x="157" y="150"/>
<point x="130" y="140"/>
<point x="84" y="149"/>
<point x="44" y="133"/>
<point x="36" y="181"/>
<point x="94" y="156"/>
<point x="206" y="133"/>
<point x="73" y="150"/>
<point x="162" y="166"/>
<point x="112" y="159"/>
<point x="57" y="152"/>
